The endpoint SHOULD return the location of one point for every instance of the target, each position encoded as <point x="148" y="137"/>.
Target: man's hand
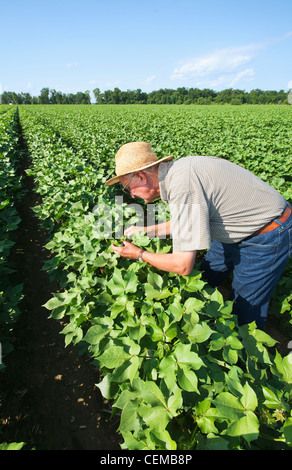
<point x="179" y="263"/>
<point x="127" y="250"/>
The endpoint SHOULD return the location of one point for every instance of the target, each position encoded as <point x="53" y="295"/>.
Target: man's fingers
<point x="127" y="250"/>
<point x="130" y="230"/>
<point x="116" y="249"/>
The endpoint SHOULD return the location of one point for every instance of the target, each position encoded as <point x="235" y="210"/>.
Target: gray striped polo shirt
<point x="213" y="199"/>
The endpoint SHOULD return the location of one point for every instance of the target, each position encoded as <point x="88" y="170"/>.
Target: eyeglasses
<point x="126" y="187"/>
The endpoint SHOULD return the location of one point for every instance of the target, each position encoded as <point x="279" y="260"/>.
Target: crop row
<point x="171" y="357"/>
<point x="10" y="192"/>
<point x="258" y="138"/>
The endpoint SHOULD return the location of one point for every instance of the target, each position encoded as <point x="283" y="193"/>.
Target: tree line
<point x="163" y="96"/>
<point x="46" y="96"/>
<point x="190" y="96"/>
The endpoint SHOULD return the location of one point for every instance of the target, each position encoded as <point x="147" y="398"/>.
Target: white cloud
<point x="288" y="35"/>
<point x="72" y="64"/>
<point x="247" y="75"/>
<point x="149" y="79"/>
<point x="113" y="83"/>
<point x="221" y="61"/>
<point x="290" y="85"/>
<point x="224" y="67"/>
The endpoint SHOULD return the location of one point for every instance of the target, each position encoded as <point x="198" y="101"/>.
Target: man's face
<point x="142" y="184"/>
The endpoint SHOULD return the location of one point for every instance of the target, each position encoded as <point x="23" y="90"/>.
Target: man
<point x="214" y="204"/>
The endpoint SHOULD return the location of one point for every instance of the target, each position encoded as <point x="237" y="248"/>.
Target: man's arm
<point x="152" y="231"/>
<point x="179" y="262"/>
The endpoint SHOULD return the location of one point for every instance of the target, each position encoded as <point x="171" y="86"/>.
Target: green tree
<point x="44" y="96"/>
<point x="53" y="97"/>
<point x="97" y="95"/>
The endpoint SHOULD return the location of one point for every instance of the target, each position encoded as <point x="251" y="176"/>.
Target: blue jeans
<point x="257" y="264"/>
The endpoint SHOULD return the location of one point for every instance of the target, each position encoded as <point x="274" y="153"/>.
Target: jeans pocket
<point x="264" y="241"/>
<point x="262" y="250"/>
<point x="259" y="245"/>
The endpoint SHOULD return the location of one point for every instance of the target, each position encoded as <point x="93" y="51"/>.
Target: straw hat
<point x="134" y="156"/>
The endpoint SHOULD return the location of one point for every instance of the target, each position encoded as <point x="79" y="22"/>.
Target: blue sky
<point x="78" y="45"/>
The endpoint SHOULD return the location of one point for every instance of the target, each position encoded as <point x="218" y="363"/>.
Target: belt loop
<point x="279" y="221"/>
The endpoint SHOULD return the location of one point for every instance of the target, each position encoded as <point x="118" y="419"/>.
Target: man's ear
<point x="142" y="176"/>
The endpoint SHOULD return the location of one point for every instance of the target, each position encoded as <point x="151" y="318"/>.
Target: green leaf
<point x="131" y="282"/>
<point x="176" y="310"/>
<point x="192" y="304"/>
<point x="175" y="401"/>
<point x="12" y="445"/>
<point x="155" y="280"/>
<point x="4" y="204"/>
<point x="129" y="418"/>
<point x="123" y="282"/>
<point x="118" y="306"/>
<point x="135" y="443"/>
<point x="59" y="300"/>
<point x="72" y="334"/>
<point x="162" y="440"/>
<point x="184" y="355"/>
<point x="212" y="442"/>
<point x="113" y="357"/>
<point x="264" y="338"/>
<point x="96" y="333"/>
<point x="288" y="430"/>
<point x="152" y="395"/>
<point x="193" y="282"/>
<point x="230" y="355"/>
<point x="167" y="371"/>
<point x="153" y="287"/>
<point x="229" y="406"/>
<point x="200" y="332"/>
<point x="282" y="367"/>
<point x="249" y="399"/>
<point x="240" y="412"/>
<point x="74" y="260"/>
<point x="273" y="397"/>
<point x="247" y="426"/>
<point x="187" y="379"/>
<point x="124" y="397"/>
<point x="234" y="342"/>
<point x="217" y="342"/>
<point x="107" y="388"/>
<point x="206" y="416"/>
<point x="126" y="371"/>
<point x="156" y="417"/>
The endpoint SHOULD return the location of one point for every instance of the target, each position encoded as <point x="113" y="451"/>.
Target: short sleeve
<point x="190" y="229"/>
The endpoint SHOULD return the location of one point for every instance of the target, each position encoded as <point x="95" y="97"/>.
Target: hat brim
<point x="116" y="179"/>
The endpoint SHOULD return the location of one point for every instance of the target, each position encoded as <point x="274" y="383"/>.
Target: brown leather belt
<point x="272" y="225"/>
